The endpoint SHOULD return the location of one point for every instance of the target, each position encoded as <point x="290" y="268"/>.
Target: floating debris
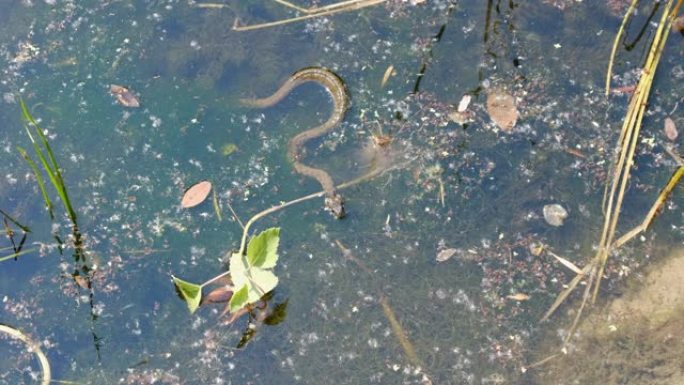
<point x="502" y="109"/>
<point x="196" y="194"/>
<point x="536" y="248"/>
<point x="464" y="103"/>
<point x="125" y="97"/>
<point x="388" y="72"/>
<point x="555" y="214"/>
<point x="670" y="129"/>
<point x="446" y="254"/>
<point x="518" y="297"/>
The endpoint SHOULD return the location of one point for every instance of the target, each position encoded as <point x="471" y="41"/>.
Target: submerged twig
<point x="397" y="329"/>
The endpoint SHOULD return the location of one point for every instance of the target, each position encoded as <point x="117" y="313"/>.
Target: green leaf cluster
<point x="252" y="273"/>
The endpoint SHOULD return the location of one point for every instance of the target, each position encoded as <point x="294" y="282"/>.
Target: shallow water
<point x="126" y="170"/>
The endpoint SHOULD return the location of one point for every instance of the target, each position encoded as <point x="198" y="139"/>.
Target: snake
<point x="340" y="98"/>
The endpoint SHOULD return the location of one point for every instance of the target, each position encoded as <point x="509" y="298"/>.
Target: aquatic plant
<point x="250" y="273"/>
<point x="46" y="157"/>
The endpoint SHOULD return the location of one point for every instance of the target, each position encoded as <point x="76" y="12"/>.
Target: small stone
<point x="555" y="214"/>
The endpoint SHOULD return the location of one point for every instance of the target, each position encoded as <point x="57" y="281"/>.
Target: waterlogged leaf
<point x="277" y="315"/>
<point x="262" y="250"/>
<point x="191" y="293"/>
<point x="239" y="299"/>
<point x="502" y="109"/>
<point x="221" y="294"/>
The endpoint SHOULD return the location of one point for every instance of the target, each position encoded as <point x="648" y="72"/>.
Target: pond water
<point x="471" y="190"/>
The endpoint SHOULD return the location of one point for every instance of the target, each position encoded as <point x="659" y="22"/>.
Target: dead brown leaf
<point x="196" y="194"/>
<point x="502" y="109"/>
<point x="125" y="97"/>
<point x="670" y="129"/>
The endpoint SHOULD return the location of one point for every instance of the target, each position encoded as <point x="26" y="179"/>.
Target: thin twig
<point x="397" y="329"/>
<point x="235" y="216"/>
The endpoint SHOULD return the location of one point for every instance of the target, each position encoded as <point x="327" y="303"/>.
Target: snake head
<point x="335" y="204"/>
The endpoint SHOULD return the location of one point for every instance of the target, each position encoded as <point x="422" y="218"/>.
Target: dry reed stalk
<point x="616" y="42"/>
<point x="629" y="134"/>
<point x="310" y="13"/>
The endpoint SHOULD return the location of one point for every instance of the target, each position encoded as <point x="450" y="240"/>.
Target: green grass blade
<point x="15" y="255"/>
<point x="39" y="180"/>
<point x="51" y="167"/>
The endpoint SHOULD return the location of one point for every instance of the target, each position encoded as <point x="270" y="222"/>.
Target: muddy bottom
<point x="634" y="340"/>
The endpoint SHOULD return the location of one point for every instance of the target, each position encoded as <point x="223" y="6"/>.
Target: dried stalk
<point x="616" y="42"/>
<point x="310" y="13"/>
<point x="628" y="140"/>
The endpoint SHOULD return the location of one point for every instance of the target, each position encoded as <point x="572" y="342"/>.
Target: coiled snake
<point x="338" y="92"/>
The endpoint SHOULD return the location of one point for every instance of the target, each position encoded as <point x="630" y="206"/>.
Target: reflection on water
<point x="465" y="187"/>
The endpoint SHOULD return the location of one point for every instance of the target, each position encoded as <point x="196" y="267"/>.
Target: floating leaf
<point x="257" y="281"/>
<point x="191" y="293"/>
<point x="262" y="282"/>
<point x="502" y="108"/>
<point x="239" y="299"/>
<point x="262" y="249"/>
<point x="196" y="194"/>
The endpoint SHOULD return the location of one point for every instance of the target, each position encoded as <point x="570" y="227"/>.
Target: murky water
<point x="470" y="188"/>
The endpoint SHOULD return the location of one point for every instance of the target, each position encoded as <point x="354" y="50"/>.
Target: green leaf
<point x="251" y="272"/>
<point x="262" y="250"/>
<point x="262" y="281"/>
<point x="191" y="293"/>
<point x="239" y="299"/>
<point x="238" y="270"/>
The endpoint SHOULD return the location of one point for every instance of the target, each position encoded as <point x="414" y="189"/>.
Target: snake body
<point x="340" y="98"/>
